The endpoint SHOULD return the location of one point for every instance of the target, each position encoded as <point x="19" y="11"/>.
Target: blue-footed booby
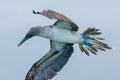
<point x="62" y="35"/>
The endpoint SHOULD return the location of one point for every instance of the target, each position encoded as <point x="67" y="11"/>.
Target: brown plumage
<point x="61" y="19"/>
<point x="96" y="44"/>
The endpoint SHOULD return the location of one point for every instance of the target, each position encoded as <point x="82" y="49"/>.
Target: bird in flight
<point x="63" y="34"/>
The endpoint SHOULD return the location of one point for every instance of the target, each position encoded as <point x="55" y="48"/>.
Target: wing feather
<point x="59" y="54"/>
<point x="47" y="67"/>
<point x="62" y="20"/>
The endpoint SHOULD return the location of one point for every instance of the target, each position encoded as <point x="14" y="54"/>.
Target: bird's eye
<point x="29" y="35"/>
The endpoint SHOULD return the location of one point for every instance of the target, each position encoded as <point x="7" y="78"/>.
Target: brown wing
<point x="62" y="20"/>
<point x="53" y="15"/>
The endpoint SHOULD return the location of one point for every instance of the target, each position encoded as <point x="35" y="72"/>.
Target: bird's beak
<point x="28" y="36"/>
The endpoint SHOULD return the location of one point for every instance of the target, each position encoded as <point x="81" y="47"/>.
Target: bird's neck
<point x="46" y="32"/>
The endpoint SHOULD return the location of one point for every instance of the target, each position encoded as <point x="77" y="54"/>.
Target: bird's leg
<point x="34" y="12"/>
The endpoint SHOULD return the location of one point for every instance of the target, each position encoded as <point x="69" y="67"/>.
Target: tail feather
<point x="96" y="43"/>
<point x="91" y="31"/>
<point x="99" y="47"/>
<point x="91" y="50"/>
<point x="102" y="44"/>
<point x="83" y="49"/>
<point x="99" y="38"/>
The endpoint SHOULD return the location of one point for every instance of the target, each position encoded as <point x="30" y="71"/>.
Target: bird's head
<point x="34" y="31"/>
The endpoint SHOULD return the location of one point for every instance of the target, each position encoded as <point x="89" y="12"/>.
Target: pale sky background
<point x="16" y="18"/>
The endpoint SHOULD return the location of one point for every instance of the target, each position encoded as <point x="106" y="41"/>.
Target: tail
<point x="91" y="42"/>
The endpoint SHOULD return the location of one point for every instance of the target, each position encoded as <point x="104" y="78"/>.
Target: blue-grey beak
<point x="28" y="36"/>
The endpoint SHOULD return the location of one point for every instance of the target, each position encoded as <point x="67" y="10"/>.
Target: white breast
<point x="65" y="35"/>
<point x="61" y="35"/>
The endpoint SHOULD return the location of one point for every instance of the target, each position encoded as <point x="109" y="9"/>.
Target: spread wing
<point x="62" y="20"/>
<point x="59" y="54"/>
<point x="48" y="66"/>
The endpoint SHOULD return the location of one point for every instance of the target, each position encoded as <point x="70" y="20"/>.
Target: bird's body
<point x="62" y="35"/>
